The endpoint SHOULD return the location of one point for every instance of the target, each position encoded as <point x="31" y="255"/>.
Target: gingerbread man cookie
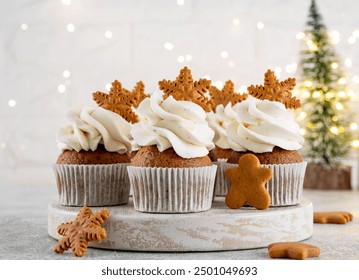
<point x="292" y="250"/>
<point x="248" y="181"/>
<point x="332" y="217"/>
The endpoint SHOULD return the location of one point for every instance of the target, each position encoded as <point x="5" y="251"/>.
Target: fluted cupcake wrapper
<point x="172" y="190"/>
<point x="286" y="186"/>
<point x="92" y="184"/>
<point x="220" y="185"/>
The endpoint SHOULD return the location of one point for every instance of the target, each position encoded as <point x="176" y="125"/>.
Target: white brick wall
<point x="32" y="61"/>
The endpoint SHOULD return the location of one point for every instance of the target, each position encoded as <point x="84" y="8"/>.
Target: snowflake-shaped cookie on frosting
<point x="274" y="90"/>
<point x="226" y="95"/>
<point x="184" y="88"/>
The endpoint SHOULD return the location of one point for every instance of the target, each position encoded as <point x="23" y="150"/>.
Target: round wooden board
<point x="218" y="229"/>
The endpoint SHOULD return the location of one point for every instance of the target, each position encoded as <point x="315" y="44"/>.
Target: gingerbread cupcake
<point x="224" y="105"/>
<point x="172" y="172"/>
<point x="265" y="126"/>
<point x="96" y="144"/>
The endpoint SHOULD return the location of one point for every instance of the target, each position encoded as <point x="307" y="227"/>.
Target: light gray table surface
<point x="23" y="230"/>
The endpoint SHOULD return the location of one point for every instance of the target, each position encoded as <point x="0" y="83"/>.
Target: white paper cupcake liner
<point x="220" y="184"/>
<point x="172" y="190"/>
<point x="92" y="184"/>
<point x="286" y="186"/>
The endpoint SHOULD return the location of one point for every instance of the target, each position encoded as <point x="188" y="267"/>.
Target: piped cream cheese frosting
<point x="87" y="127"/>
<point x="260" y="125"/>
<point x="170" y="123"/>
<point x="219" y="120"/>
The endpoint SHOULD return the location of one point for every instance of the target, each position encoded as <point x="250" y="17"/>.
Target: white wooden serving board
<point x="218" y="229"/>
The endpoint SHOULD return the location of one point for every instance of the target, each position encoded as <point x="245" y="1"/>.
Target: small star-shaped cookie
<point x="248" y="181"/>
<point x="332" y="217"/>
<point x="292" y="250"/>
<point x="85" y="228"/>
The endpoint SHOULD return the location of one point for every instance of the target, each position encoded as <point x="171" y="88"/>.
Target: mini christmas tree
<point x="324" y="93"/>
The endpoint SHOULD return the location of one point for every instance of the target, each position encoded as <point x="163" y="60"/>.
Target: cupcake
<point x="95" y="147"/>
<point x="172" y="173"/>
<point x="265" y="126"/>
<point x="224" y="106"/>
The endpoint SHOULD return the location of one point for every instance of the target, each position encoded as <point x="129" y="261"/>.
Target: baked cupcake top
<point x="177" y="118"/>
<point x="224" y="106"/>
<point x="267" y="120"/>
<point x="109" y="125"/>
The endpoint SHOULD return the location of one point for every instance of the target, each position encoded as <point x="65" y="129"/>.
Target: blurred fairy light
<point x="302" y="115"/>
<point x="180" y="59"/>
<point x="334" y="65"/>
<point x="67" y="2"/>
<point x="108" y="34"/>
<point x="231" y="64"/>
<point x="260" y="25"/>
<point x="236" y="22"/>
<point x="348" y="62"/>
<point x="355" y="34"/>
<point x="291" y="68"/>
<point x="180" y="2"/>
<point x="342" y="81"/>
<point x="24" y="26"/>
<point x="355" y="143"/>
<point x="219" y="84"/>
<point x="242" y="89"/>
<point x="188" y="57"/>
<point x="356" y="79"/>
<point x="341" y="94"/>
<point x="335" y="36"/>
<point x="308" y="83"/>
<point x="311" y="45"/>
<point x="300" y="35"/>
<point x="334" y="130"/>
<point x="278" y="72"/>
<point x="351" y="40"/>
<point x="339" y="106"/>
<point x="168" y="46"/>
<point x="353" y="126"/>
<point x="66" y="74"/>
<point x="306" y="94"/>
<point x="316" y="94"/>
<point x="108" y="86"/>
<point x="70" y="27"/>
<point x="12" y="103"/>
<point x="302" y="131"/>
<point x="61" y="88"/>
<point x="224" y="54"/>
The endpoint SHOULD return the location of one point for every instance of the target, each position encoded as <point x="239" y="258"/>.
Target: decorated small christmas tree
<point x="324" y="94"/>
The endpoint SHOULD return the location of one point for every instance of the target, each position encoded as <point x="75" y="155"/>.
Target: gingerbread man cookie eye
<point x="248" y="184"/>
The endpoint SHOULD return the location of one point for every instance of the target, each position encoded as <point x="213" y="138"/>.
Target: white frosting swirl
<point x="219" y="121"/>
<point x="260" y="125"/>
<point x="170" y="123"/>
<point x="88" y="127"/>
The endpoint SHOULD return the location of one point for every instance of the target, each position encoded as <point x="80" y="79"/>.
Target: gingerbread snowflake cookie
<point x="248" y="181"/>
<point x="85" y="228"/>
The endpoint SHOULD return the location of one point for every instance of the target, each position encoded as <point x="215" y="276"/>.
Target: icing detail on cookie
<point x="170" y="123"/>
<point x="292" y="250"/>
<point x="185" y="89"/>
<point x="226" y="95"/>
<point x="337" y="217"/>
<point x="219" y="120"/>
<point x="88" y="127"/>
<point x="260" y="125"/>
<point x="85" y="228"/>
<point x="248" y="181"/>
<point x="273" y="90"/>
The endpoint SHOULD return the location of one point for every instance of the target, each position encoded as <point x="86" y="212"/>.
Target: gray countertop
<point x="23" y="230"/>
